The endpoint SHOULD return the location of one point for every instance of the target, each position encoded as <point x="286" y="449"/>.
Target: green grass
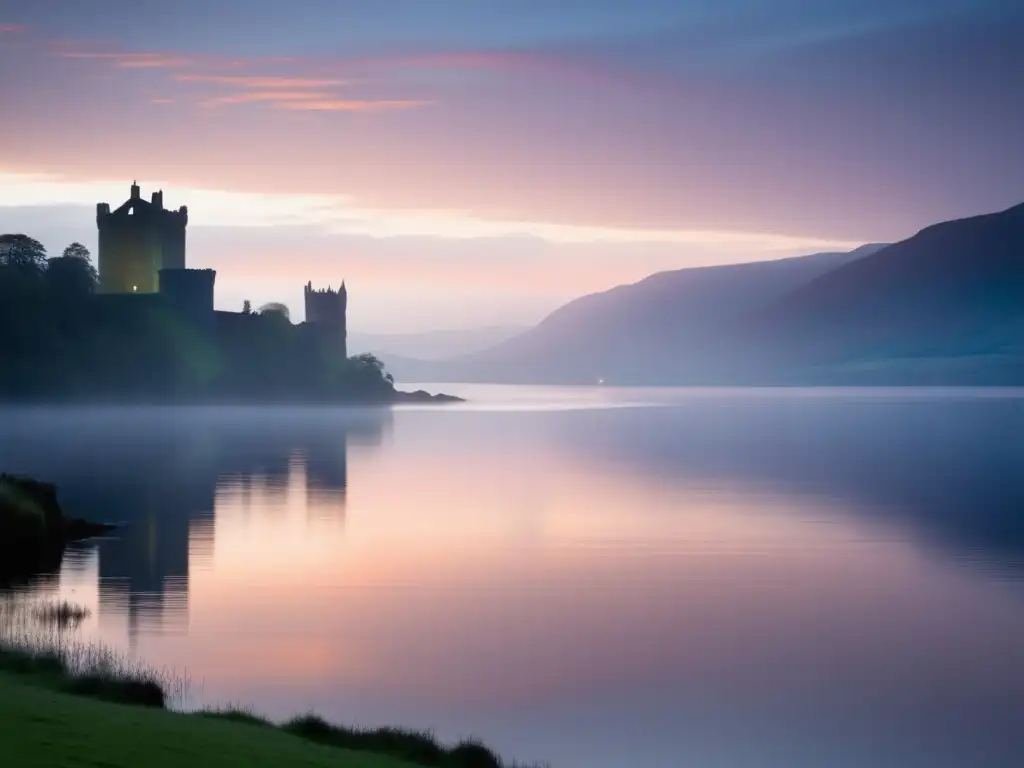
<point x="44" y="728"/>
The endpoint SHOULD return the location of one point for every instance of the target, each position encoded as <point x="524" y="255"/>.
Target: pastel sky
<point x="474" y="162"/>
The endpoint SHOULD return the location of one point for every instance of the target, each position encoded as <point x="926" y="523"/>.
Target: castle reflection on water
<point x="165" y="472"/>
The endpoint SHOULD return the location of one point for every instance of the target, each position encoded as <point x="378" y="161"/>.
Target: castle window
<point x="131" y="211"/>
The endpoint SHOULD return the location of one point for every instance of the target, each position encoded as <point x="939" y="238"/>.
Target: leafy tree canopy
<point x="71" y="277"/>
<point x="22" y="252"/>
<point x="77" y="251"/>
<point x="276" y="308"/>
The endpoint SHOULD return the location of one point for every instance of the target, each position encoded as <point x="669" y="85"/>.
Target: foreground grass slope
<point x="44" y="727"/>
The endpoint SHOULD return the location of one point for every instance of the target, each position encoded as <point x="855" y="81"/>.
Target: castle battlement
<point x="142" y="255"/>
<point x="137" y="240"/>
<point x="326" y="309"/>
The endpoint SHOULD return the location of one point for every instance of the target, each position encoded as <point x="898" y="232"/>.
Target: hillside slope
<point x="46" y="729"/>
<point x="651" y="331"/>
<point x="953" y="292"/>
<point x="431" y="345"/>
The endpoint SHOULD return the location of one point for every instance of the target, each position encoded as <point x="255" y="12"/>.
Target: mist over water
<point x="712" y="578"/>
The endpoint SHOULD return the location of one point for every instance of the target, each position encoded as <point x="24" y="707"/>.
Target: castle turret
<point x="326" y="310"/>
<point x="138" y="240"/>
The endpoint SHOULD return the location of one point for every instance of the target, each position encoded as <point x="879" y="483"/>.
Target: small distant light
<point x="600" y="381"/>
<point x="135" y="288"/>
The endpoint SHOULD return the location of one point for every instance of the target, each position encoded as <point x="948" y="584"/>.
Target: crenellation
<point x="137" y="240"/>
<point x="142" y="252"/>
<point x="326" y="309"/>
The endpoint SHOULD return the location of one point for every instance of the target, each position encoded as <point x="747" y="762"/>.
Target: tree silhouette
<point x="276" y="308"/>
<point x="23" y="253"/>
<point x="72" y="275"/>
<point x="368" y="361"/>
<point x="77" y="251"/>
<point x="246" y="307"/>
<point x="70" y="278"/>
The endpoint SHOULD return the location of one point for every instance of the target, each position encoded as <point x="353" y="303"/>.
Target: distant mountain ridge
<point x="945" y="306"/>
<point x="664" y="311"/>
<point x="953" y="293"/>
<point x="432" y="345"/>
<point x="607" y="335"/>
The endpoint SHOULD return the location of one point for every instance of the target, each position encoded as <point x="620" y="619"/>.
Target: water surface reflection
<point x="712" y="579"/>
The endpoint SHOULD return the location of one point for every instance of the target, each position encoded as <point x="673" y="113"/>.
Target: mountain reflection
<point x="950" y="468"/>
<point x="164" y="472"/>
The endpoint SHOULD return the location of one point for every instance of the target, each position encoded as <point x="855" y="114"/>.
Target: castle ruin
<point x="326" y="310"/>
<point x="137" y="241"/>
<point x="142" y="255"/>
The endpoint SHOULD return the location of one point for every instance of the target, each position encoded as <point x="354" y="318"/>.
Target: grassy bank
<point x="44" y="728"/>
<point x="34" y="529"/>
<point x="64" y="702"/>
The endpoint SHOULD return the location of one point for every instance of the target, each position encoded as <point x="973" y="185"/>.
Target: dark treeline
<point x="59" y="341"/>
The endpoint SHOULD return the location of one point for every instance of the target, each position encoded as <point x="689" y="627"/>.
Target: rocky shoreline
<point x="422" y="396"/>
<point x="34" y="531"/>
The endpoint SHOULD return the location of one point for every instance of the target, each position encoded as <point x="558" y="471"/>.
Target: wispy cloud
<point x="344" y="215"/>
<point x="293" y="93"/>
<point x="519" y="61"/>
<point x="11" y="28"/>
<point x="261" y="82"/>
<point x="308" y="85"/>
<point x="134" y="60"/>
<point x="349" y="105"/>
<point x="264" y="96"/>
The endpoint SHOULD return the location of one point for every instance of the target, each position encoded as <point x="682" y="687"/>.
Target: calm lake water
<point x="593" y="577"/>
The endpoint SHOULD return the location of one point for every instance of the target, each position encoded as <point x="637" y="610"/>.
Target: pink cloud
<point x="134" y="60"/>
<point x="349" y="105"/>
<point x="11" y="28"/>
<point x="268" y="82"/>
<point x="488" y="60"/>
<point x="264" y="96"/>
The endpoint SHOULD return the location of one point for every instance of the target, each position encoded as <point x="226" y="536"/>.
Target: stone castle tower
<point x="137" y="241"/>
<point x="325" y="309"/>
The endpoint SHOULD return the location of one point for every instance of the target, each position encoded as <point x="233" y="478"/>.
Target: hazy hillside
<point x="639" y="333"/>
<point x="950" y="298"/>
<point x="431" y="345"/>
<point x="945" y="306"/>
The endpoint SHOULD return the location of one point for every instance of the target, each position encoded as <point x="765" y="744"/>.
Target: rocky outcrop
<point x="34" y="530"/>
<point x="421" y="396"/>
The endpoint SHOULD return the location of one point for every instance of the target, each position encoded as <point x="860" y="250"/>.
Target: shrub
<point x="473" y="754"/>
<point x="23" y="497"/>
<point x="46" y="648"/>
<point x="111" y="687"/>
<point x="419" y="748"/>
<point x="21" y="519"/>
<point x="236" y="715"/>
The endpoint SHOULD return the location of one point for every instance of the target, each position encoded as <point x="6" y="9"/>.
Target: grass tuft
<point x="63" y="614"/>
<point x="236" y="714"/>
<point x="34" y="639"/>
<point x="473" y="754"/>
<point x="142" y="693"/>
<point x="419" y="748"/>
